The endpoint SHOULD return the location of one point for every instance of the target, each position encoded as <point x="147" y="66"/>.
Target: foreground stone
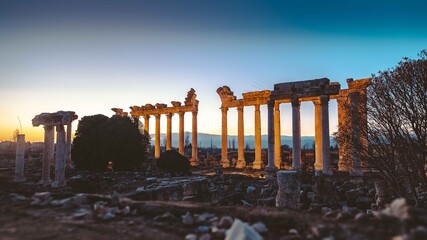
<point x="288" y="195"/>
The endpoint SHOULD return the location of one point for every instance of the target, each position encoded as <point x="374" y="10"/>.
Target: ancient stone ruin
<point x="319" y="91"/>
<point x="191" y="104"/>
<point x="62" y="150"/>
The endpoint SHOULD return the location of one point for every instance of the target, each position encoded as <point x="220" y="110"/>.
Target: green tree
<point x="88" y="152"/>
<point x="100" y="139"/>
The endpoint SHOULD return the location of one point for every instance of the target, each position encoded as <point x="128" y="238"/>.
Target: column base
<point x="225" y="163"/>
<point x="17" y="178"/>
<point x="45" y="182"/>
<point x="194" y="162"/>
<point x="318" y="173"/>
<point x="240" y="164"/>
<point x="277" y="163"/>
<point x="257" y="165"/>
<point x="59" y="184"/>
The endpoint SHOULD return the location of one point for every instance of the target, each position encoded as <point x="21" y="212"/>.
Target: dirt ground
<point x="20" y="218"/>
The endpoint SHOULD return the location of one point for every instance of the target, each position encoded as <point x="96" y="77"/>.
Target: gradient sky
<point x="90" y="56"/>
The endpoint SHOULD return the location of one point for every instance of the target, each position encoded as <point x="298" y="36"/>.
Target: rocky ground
<point x="135" y="205"/>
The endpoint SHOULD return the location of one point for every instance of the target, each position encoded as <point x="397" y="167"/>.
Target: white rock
<point x="250" y="189"/>
<point x="225" y="222"/>
<point x="187" y="219"/>
<point x="260" y="227"/>
<point x="191" y="236"/>
<point x="398" y="208"/>
<point x="241" y="231"/>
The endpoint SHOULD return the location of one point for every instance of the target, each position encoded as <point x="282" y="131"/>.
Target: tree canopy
<point x="100" y="139"/>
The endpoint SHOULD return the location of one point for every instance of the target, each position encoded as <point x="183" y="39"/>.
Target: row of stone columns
<point x="61" y="152"/>
<point x="194" y="159"/>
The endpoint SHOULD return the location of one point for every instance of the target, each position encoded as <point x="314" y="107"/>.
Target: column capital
<point x="169" y="115"/>
<point x="257" y="107"/>
<point x="157" y="115"/>
<point x="147" y="116"/>
<point x="224" y="109"/>
<point x="181" y="113"/>
<point x="195" y="112"/>
<point x="270" y="103"/>
<point x="240" y="108"/>
<point x="324" y="99"/>
<point x="295" y="102"/>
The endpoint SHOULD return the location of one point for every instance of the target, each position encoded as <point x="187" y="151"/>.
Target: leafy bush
<point x="173" y="162"/>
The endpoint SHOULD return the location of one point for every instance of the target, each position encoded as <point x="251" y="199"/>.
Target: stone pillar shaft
<point x="271" y="168"/>
<point x="59" y="157"/>
<point x="147" y="124"/>
<point x="240" y="139"/>
<point x="157" y="137"/>
<point x="344" y="162"/>
<point x="277" y="135"/>
<point x="181" y="133"/>
<point x="326" y="155"/>
<point x="318" y="136"/>
<point x="48" y="153"/>
<point x="355" y="142"/>
<point x="169" y="131"/>
<point x="224" y="138"/>
<point x="194" y="156"/>
<point x="257" y="162"/>
<point x="20" y="159"/>
<point x="68" y="146"/>
<point x="296" y="135"/>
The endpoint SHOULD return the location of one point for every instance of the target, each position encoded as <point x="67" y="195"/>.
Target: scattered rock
<point x="16" y="197"/>
<point x="187" y="219"/>
<point x="225" y="222"/>
<point x="398" y="208"/>
<point x="203" y="229"/>
<point x="250" y="189"/>
<point x="259" y="227"/>
<point x="191" y="236"/>
<point x="241" y="230"/>
<point x="41" y="199"/>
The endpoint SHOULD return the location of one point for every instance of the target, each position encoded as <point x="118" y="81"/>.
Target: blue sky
<point x="90" y="56"/>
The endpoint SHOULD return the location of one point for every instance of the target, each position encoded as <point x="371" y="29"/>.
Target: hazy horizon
<point x="91" y="56"/>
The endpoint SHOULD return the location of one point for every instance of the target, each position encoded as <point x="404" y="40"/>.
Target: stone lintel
<point x="144" y="112"/>
<point x="54" y="119"/>
<point x="359" y="84"/>
<point x="300" y="85"/>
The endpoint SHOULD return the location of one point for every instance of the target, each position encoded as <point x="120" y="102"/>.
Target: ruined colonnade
<point x="61" y="152"/>
<point x="191" y="104"/>
<point x="318" y="91"/>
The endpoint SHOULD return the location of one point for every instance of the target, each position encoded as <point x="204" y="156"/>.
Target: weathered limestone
<point x="157" y="137"/>
<point x="296" y="135"/>
<point x="181" y="133"/>
<point x="318" y="137"/>
<point x="228" y="100"/>
<point x="257" y="161"/>
<point x="194" y="156"/>
<point x="60" y="157"/>
<point x="277" y="135"/>
<point x="289" y="184"/>
<point x="344" y="160"/>
<point x="224" y="149"/>
<point x="190" y="105"/>
<point x="20" y="159"/>
<point x="48" y="154"/>
<point x="169" y="131"/>
<point x="326" y="155"/>
<point x="271" y="168"/>
<point x="240" y="139"/>
<point x="355" y="143"/>
<point x="147" y="123"/>
<point x="63" y="144"/>
<point x="68" y="147"/>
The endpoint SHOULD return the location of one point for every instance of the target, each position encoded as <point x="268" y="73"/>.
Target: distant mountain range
<point x="206" y="140"/>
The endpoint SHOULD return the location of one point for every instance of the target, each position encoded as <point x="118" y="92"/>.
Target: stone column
<point x="363" y="128"/>
<point x="277" y="135"/>
<point x="240" y="139"/>
<point x="147" y="124"/>
<point x="169" y="131"/>
<point x="194" y="155"/>
<point x="157" y="137"/>
<point x="20" y="159"/>
<point x="326" y="154"/>
<point x="355" y="143"/>
<point x="48" y="153"/>
<point x="68" y="147"/>
<point x="344" y="162"/>
<point x="257" y="162"/>
<point x="271" y="168"/>
<point x="288" y="195"/>
<point x="224" y="150"/>
<point x="181" y="133"/>
<point x="296" y="135"/>
<point x="318" y="137"/>
<point x="60" y="157"/>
